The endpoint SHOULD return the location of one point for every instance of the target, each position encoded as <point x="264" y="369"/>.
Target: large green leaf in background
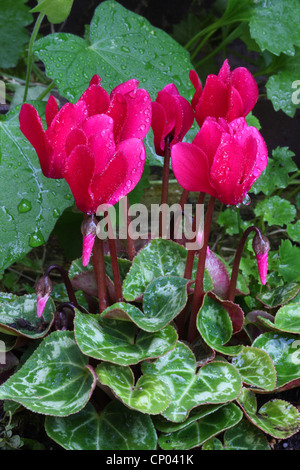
<point x="275" y="25"/>
<point x="14" y="16"/>
<point x="121" y="46"/>
<point x="30" y="202"/>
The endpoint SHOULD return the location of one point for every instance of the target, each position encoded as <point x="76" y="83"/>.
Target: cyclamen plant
<point x="157" y="352"/>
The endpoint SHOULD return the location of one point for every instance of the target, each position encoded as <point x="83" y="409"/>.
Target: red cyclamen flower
<point x="172" y="115"/>
<point x="228" y="95"/>
<point x="224" y="160"/>
<point x="95" y="144"/>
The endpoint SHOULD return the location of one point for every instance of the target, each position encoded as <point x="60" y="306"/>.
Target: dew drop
<point x="56" y="213"/>
<point x="24" y="206"/>
<point x="246" y="200"/>
<point x="36" y="239"/>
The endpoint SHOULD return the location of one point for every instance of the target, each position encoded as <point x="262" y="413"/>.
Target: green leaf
<point x="216" y="382"/>
<point x="14" y="17"/>
<point x="18" y="316"/>
<point x="166" y="426"/>
<point x="116" y="428"/>
<point x="245" y="436"/>
<point x="164" y="299"/>
<point x="293" y="231"/>
<point x="280" y="295"/>
<point x="159" y="258"/>
<point x="288" y="318"/>
<point x="55" y="10"/>
<point x="230" y="219"/>
<point x="256" y="368"/>
<point x="200" y="431"/>
<point x="276" y="175"/>
<point x="30" y="202"/>
<point x="55" y="380"/>
<point x="276" y="417"/>
<point x="289" y="264"/>
<point x="215" y="326"/>
<point x="276" y="211"/>
<point x="284" y="352"/>
<point x="116" y="340"/>
<point x="121" y="45"/>
<point x="274" y="26"/>
<point x="149" y="395"/>
<point x="283" y="87"/>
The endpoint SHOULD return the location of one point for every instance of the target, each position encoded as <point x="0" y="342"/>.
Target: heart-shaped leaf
<point x="121" y="45"/>
<point x="164" y="299"/>
<point x="116" y="428"/>
<point x="116" y="340"/>
<point x="280" y="295"/>
<point x="159" y="258"/>
<point x="201" y="430"/>
<point x="216" y="382"/>
<point x="30" y="202"/>
<point x="215" y="326"/>
<point x="55" y="380"/>
<point x="166" y="426"/>
<point x="18" y="316"/>
<point x="245" y="436"/>
<point x="287" y="319"/>
<point x="276" y="417"/>
<point x="149" y="395"/>
<point x="256" y="368"/>
<point x="284" y="350"/>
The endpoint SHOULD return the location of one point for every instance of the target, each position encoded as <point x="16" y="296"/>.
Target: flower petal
<point x="32" y="128"/>
<point x="244" y="82"/>
<point x="79" y="176"/>
<point x="139" y="112"/>
<point x="122" y="173"/>
<point x="209" y="137"/>
<point x="191" y="168"/>
<point x="51" y="110"/>
<point x="96" y="98"/>
<point x="198" y="87"/>
<point x="213" y="100"/>
<point x="158" y="126"/>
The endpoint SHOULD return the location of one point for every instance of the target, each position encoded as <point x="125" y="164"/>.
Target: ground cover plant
<point x="116" y="334"/>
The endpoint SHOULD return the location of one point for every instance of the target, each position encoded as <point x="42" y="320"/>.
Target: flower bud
<point x="43" y="289"/>
<point x="261" y="246"/>
<point x="88" y="230"/>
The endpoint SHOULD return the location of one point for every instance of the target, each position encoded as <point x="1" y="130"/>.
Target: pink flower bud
<point x="43" y="289"/>
<point x="88" y="229"/>
<point x="261" y="248"/>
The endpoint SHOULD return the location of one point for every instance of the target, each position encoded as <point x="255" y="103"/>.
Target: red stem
<point x="237" y="260"/>
<point x="198" y="292"/>
<point x="191" y="253"/>
<point x="114" y="259"/>
<point x="165" y="181"/>
<point x="99" y="269"/>
<point x="130" y="242"/>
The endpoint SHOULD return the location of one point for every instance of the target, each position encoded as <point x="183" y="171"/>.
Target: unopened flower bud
<point x="43" y="289"/>
<point x="261" y="246"/>
<point x="88" y="230"/>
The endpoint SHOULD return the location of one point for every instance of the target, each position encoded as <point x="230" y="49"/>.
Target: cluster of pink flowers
<point x="97" y="145"/>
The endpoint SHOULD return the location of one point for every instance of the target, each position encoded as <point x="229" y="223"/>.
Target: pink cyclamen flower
<point x="95" y="144"/>
<point x="261" y="246"/>
<point x="228" y="95"/>
<point x="172" y="115"/>
<point x="224" y="160"/>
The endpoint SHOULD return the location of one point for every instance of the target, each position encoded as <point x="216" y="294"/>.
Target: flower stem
<point x="237" y="260"/>
<point x="99" y="269"/>
<point x="191" y="253"/>
<point x="130" y="242"/>
<point x="114" y="259"/>
<point x="198" y="292"/>
<point x="30" y="52"/>
<point x="165" y="181"/>
<point x="67" y="282"/>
